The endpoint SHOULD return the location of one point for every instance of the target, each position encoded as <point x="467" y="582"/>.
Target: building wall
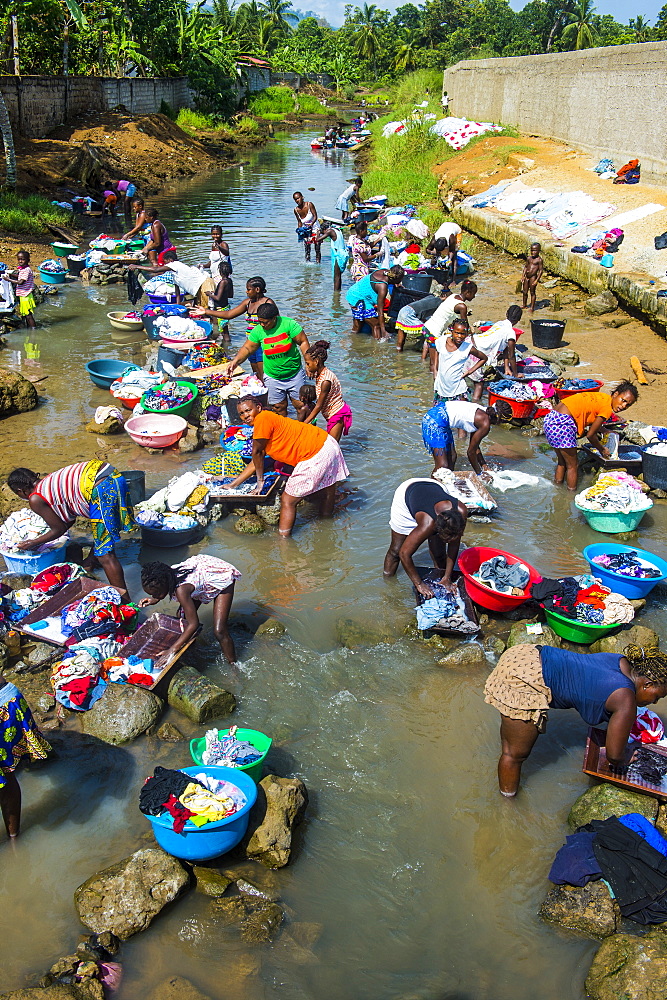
<point x="37" y="104"/>
<point x="610" y="100"/>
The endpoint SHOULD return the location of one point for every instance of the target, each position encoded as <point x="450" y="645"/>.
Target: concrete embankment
<point x="516" y="238"/>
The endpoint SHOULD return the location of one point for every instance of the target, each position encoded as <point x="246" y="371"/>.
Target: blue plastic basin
<point x="105" y="371"/>
<point x="209" y="841"/>
<point x="629" y="586"/>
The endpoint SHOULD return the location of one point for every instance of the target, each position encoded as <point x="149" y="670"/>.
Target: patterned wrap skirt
<point x="560" y="430"/>
<point x="436" y="432"/>
<point x="326" y="467"/>
<point x="109" y="512"/>
<point x="516" y="686"/>
<point x="19" y="736"/>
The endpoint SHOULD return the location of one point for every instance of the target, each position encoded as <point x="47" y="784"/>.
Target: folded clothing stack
<point x="614" y="492"/>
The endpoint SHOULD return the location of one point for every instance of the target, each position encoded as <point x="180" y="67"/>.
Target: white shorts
<point x="400" y="518"/>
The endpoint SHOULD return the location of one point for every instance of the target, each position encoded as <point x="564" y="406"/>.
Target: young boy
<point x="24" y="280"/>
<point x="531" y="275"/>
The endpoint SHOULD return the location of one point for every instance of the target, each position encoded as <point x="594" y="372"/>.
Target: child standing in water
<point x="330" y="402"/>
<point x="531" y="275"/>
<point x="201" y="579"/>
<point x="305" y="404"/>
<point x="24" y="280"/>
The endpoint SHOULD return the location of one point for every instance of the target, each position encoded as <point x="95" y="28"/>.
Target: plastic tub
<point x="129" y="402"/>
<point x="31" y="563"/>
<point x="161" y="300"/>
<point x="136" y="486"/>
<point x="232" y="407"/>
<point x="183" y="409"/>
<point x="547" y="333"/>
<point x="172" y="356"/>
<point x="163" y="538"/>
<point x="75" y="267"/>
<point x="612" y="523"/>
<point x="52" y="279"/>
<point x="118" y="322"/>
<point x="156" y="430"/>
<point x="209" y="841"/>
<point x="521" y="409"/>
<point x="63" y="249"/>
<point x="469" y="562"/>
<point x="631" y="587"/>
<point x="105" y="371"/>
<point x="654" y="468"/>
<point x="368" y="214"/>
<point x="564" y="393"/>
<point x="417" y="282"/>
<point x="574" y="631"/>
<point x="259" y="740"/>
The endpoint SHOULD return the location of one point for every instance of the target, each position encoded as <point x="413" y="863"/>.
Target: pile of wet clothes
<point x="100" y="613"/>
<point x="446" y="610"/>
<point x="614" y="492"/>
<point x="584" y="599"/>
<point x="186" y="496"/>
<point x="628" y="853"/>
<point x="509" y="389"/>
<point x="228" y="751"/>
<point x="501" y="575"/>
<point x="167" y="396"/>
<point x="577" y="384"/>
<point x="199" y="798"/>
<point x="23" y="526"/>
<point x="17" y="604"/>
<point x="627" y="564"/>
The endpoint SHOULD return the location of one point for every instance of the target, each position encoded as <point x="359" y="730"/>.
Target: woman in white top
<point x="445" y="243"/>
<point x="452" y="353"/>
<point x="455" y="306"/>
<point x="220" y="253"/>
<point x="438" y="422"/>
<point x="496" y="342"/>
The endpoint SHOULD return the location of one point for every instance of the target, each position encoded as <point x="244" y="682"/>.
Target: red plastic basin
<point x="564" y="393"/>
<point x="469" y="562"/>
<point x="520" y="408"/>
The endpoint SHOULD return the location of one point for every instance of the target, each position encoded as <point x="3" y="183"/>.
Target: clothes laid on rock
<point x="636" y="871"/>
<point x="499" y="574"/>
<point x="575" y="863"/>
<point x="228" y="751"/>
<point x="616" y="492"/>
<point x="627" y="564"/>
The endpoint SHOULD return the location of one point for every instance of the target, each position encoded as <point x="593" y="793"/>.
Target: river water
<point x="425" y="882"/>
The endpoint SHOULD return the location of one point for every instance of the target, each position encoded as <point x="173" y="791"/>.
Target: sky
<point x="622" y="11"/>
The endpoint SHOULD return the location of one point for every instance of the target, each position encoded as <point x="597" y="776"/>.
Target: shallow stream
<point x="426" y="883"/>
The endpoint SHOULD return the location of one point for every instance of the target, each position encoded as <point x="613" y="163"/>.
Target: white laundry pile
<point x="103" y="413"/>
<point x="173" y="497"/>
<point x="134" y="382"/>
<point x="509" y="480"/>
<point x="457" y="132"/>
<point x="178" y="328"/>
<point x="22" y="526"/>
<point x="614" y="492"/>
<point x="161" y="284"/>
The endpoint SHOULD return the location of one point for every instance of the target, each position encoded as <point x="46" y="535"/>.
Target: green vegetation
<point x="310" y="105"/>
<point x="275" y="103"/>
<point x="196" y="121"/>
<point x="30" y="215"/>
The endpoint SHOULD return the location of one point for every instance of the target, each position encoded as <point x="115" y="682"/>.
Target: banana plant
<point x="72" y="15"/>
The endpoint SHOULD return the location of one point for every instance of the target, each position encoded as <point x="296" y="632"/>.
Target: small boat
<point x="317" y="144"/>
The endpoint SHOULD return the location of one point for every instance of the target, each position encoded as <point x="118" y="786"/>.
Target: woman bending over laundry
<point x="585" y="412"/>
<point x="604" y="688"/>
<point x="201" y="579"/>
<point x="438" y="422"/>
<point x="88" y="489"/>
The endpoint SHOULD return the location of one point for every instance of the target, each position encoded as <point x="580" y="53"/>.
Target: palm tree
<point x="406" y="56"/>
<point x="280" y="13"/>
<point x="8" y="141"/>
<point x="264" y="36"/>
<point x="341" y="70"/>
<point x="581" y="27"/>
<point x="640" y="28"/>
<point x="565" y="9"/>
<point x="367" y="41"/>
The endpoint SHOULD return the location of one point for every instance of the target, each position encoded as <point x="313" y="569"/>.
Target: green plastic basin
<point x="260" y="741"/>
<point x="574" y="631"/>
<point x="179" y="411"/>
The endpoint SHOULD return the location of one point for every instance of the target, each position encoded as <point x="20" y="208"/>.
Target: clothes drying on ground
<point x="636" y="871"/>
<point x="457" y="132"/>
<point x="503" y="576"/>
<point x="228" y="751"/>
<point x="627" y="564"/>
<point x="563" y="214"/>
<point x="575" y="863"/>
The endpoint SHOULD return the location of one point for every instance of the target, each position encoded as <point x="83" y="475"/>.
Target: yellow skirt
<point x="26" y="304"/>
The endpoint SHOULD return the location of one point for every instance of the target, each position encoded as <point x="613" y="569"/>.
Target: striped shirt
<point x="64" y="490"/>
<point x="26" y="281"/>
<point x="335" y="400"/>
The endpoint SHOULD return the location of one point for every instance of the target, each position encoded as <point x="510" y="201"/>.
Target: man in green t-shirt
<point x="283" y="344"/>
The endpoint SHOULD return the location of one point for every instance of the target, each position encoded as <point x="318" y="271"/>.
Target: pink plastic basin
<point x="469" y="562"/>
<point x="154" y="430"/>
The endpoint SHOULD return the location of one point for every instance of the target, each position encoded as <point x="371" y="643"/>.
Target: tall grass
<point x="30" y="214"/>
<point x="310" y="105"/>
<point x="271" y="102"/>
<point x="411" y="89"/>
<point x="401" y="165"/>
<point x="196" y="121"/>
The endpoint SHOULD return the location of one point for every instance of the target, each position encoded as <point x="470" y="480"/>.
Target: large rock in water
<point x="176" y="988"/>
<point x="199" y="698"/>
<point x="588" y="910"/>
<point x="122" y="713"/>
<point x="17" y="394"/>
<point x="640" y="635"/>
<point x="82" y="991"/>
<point x="600" y="304"/>
<point x="126" y="897"/>
<point x="352" y="634"/>
<point x="281" y="804"/>
<point x="605" y="800"/>
<point x="627" y="967"/>
<point x="518" y="635"/>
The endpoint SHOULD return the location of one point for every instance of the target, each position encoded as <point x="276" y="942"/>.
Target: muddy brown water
<point x="426" y="883"/>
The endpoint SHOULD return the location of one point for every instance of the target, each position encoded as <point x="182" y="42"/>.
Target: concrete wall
<point x="37" y="104"/>
<point x="610" y="101"/>
<point x="298" y="80"/>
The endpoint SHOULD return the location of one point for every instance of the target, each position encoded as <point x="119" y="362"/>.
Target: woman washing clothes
<point x="583" y="413"/>
<point x="308" y="228"/>
<point x="367" y="299"/>
<point x="159" y="241"/>
<point x="141" y="223"/>
<point x="362" y="252"/>
<point x="201" y="579"/>
<point x="453" y="307"/>
<point x="330" y="402"/>
<point x="94" y="490"/>
<point x="412" y="317"/>
<point x="421" y="511"/>
<point x="452" y="353"/>
<point x="498" y="342"/>
<point x="441" y="419"/>
<point x="255" y="297"/>
<point x="346" y="202"/>
<point x="604" y="688"/>
<point x="19" y="738"/>
<point x="339" y="255"/>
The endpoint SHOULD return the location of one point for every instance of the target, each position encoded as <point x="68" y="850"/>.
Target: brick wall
<point x="37" y="104"/>
<point x="610" y="100"/>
